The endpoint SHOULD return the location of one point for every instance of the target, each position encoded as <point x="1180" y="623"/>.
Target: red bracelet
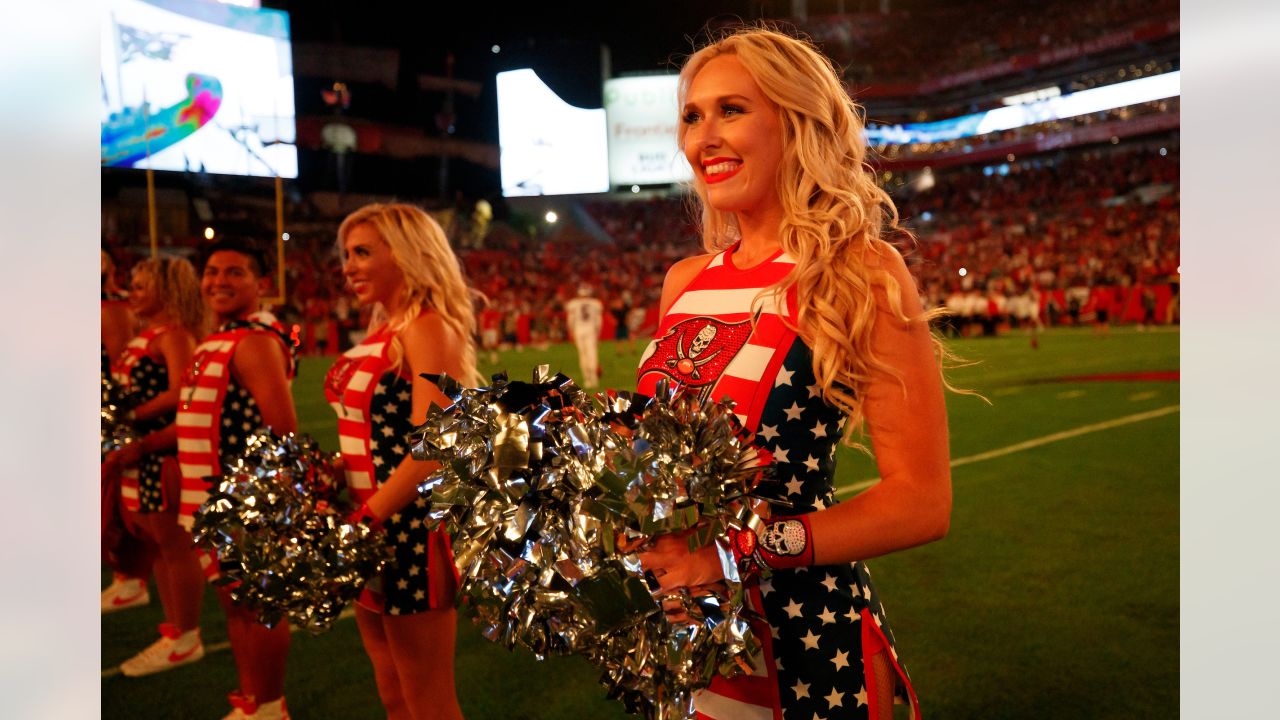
<point x="364" y="515"/>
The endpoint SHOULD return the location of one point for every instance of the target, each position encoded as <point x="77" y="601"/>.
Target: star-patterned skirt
<point x="825" y="621"/>
<point x="419" y="576"/>
<point x="151" y="497"/>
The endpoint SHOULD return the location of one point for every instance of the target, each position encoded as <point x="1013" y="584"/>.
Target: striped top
<point x="706" y="340"/>
<point x="215" y="414"/>
<point x="349" y="387"/>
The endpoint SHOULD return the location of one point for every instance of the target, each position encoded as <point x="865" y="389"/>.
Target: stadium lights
<point x="1107" y="97"/>
<point x="551" y="216"/>
<point x="208" y="233"/>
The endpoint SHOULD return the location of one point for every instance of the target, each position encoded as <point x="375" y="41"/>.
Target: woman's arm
<point x="907" y="421"/>
<point x="117" y="328"/>
<point x="911" y="505"/>
<point x="176" y="349"/>
<point x="430" y="347"/>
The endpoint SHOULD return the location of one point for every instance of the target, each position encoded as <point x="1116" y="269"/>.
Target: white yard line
<point x="224" y="645"/>
<point x="848" y="490"/>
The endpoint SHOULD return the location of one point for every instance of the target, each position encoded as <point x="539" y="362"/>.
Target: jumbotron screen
<point x="643" y="117"/>
<point x="197" y="86"/>
<point x="548" y="146"/>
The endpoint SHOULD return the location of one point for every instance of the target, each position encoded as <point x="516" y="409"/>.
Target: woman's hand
<point x="676" y="569"/>
<point x="129" y="455"/>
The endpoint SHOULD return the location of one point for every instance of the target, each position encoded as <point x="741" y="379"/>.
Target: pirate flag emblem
<point x="695" y="351"/>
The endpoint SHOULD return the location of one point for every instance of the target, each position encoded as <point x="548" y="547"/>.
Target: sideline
<point x="847" y="490"/>
<point x="224" y="645"/>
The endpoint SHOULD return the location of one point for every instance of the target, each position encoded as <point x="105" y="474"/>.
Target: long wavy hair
<point x="432" y="275"/>
<point x="836" y="217"/>
<point x="175" y="281"/>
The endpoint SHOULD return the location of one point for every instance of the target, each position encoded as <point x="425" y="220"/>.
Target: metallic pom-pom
<point x="549" y="496"/>
<point x="276" y="521"/>
<point x="116" y="432"/>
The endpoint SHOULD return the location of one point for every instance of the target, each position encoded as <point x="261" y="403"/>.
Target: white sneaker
<point x="244" y="708"/>
<point x="174" y="648"/>
<point x="125" y="593"/>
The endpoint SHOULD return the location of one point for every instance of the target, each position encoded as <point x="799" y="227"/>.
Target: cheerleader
<point x="397" y="260"/>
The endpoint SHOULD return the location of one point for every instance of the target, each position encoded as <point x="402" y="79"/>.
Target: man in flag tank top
<point x="397" y="261"/>
<point x="238" y="382"/>
<point x="166" y="298"/>
<point x="808" y="319"/>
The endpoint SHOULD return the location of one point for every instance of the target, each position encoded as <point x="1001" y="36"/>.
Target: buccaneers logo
<point x="694" y="352"/>
<point x="336" y="380"/>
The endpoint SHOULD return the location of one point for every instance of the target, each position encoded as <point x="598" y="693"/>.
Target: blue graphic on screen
<point x="1155" y="87"/>
<point x="197" y="86"/>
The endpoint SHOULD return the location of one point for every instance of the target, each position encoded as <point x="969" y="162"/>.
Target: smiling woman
<point x="816" y="328"/>
<point x="731" y="135"/>
<point x="397" y="259"/>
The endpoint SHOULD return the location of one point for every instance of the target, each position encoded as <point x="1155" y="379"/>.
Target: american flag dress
<point x="374" y="405"/>
<point x="824" y="622"/>
<point x="216" y="416"/>
<point x="142" y="376"/>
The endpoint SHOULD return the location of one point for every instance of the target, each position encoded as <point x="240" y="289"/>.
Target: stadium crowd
<point x="1050" y="237"/>
<point x="906" y="46"/>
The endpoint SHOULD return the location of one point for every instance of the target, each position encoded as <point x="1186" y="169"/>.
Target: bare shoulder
<point x="427" y="328"/>
<point x="679" y="276"/>
<point x="259" y="347"/>
<point x="687" y="268"/>
<point x="173" y="340"/>
<point x="884" y="256"/>
<point x="431" y="346"/>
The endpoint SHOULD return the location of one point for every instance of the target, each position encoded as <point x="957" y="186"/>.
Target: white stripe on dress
<point x="713" y="302"/>
<point x="191" y="419"/>
<point x="750" y="363"/>
<point x="351" y="445"/>
<point x="194" y="445"/>
<point x="719" y="707"/>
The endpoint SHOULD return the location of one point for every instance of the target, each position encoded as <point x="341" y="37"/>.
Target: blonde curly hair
<point x="432" y="274"/>
<point x="836" y="216"/>
<point x="176" y="282"/>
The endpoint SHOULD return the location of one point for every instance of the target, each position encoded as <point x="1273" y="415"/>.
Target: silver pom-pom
<point x="276" y="522"/>
<point x="549" y="496"/>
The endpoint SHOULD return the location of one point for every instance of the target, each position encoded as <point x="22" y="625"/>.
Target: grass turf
<point x="1054" y="596"/>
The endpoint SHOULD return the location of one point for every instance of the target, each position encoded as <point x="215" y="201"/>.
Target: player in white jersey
<point x="585" y="316"/>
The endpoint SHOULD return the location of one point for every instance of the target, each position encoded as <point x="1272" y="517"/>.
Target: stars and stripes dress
<point x="141" y="376"/>
<point x="374" y="404"/>
<point x="825" y="622"/>
<point x="216" y="416"/>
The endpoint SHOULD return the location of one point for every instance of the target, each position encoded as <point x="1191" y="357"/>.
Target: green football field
<point x="1054" y="596"/>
